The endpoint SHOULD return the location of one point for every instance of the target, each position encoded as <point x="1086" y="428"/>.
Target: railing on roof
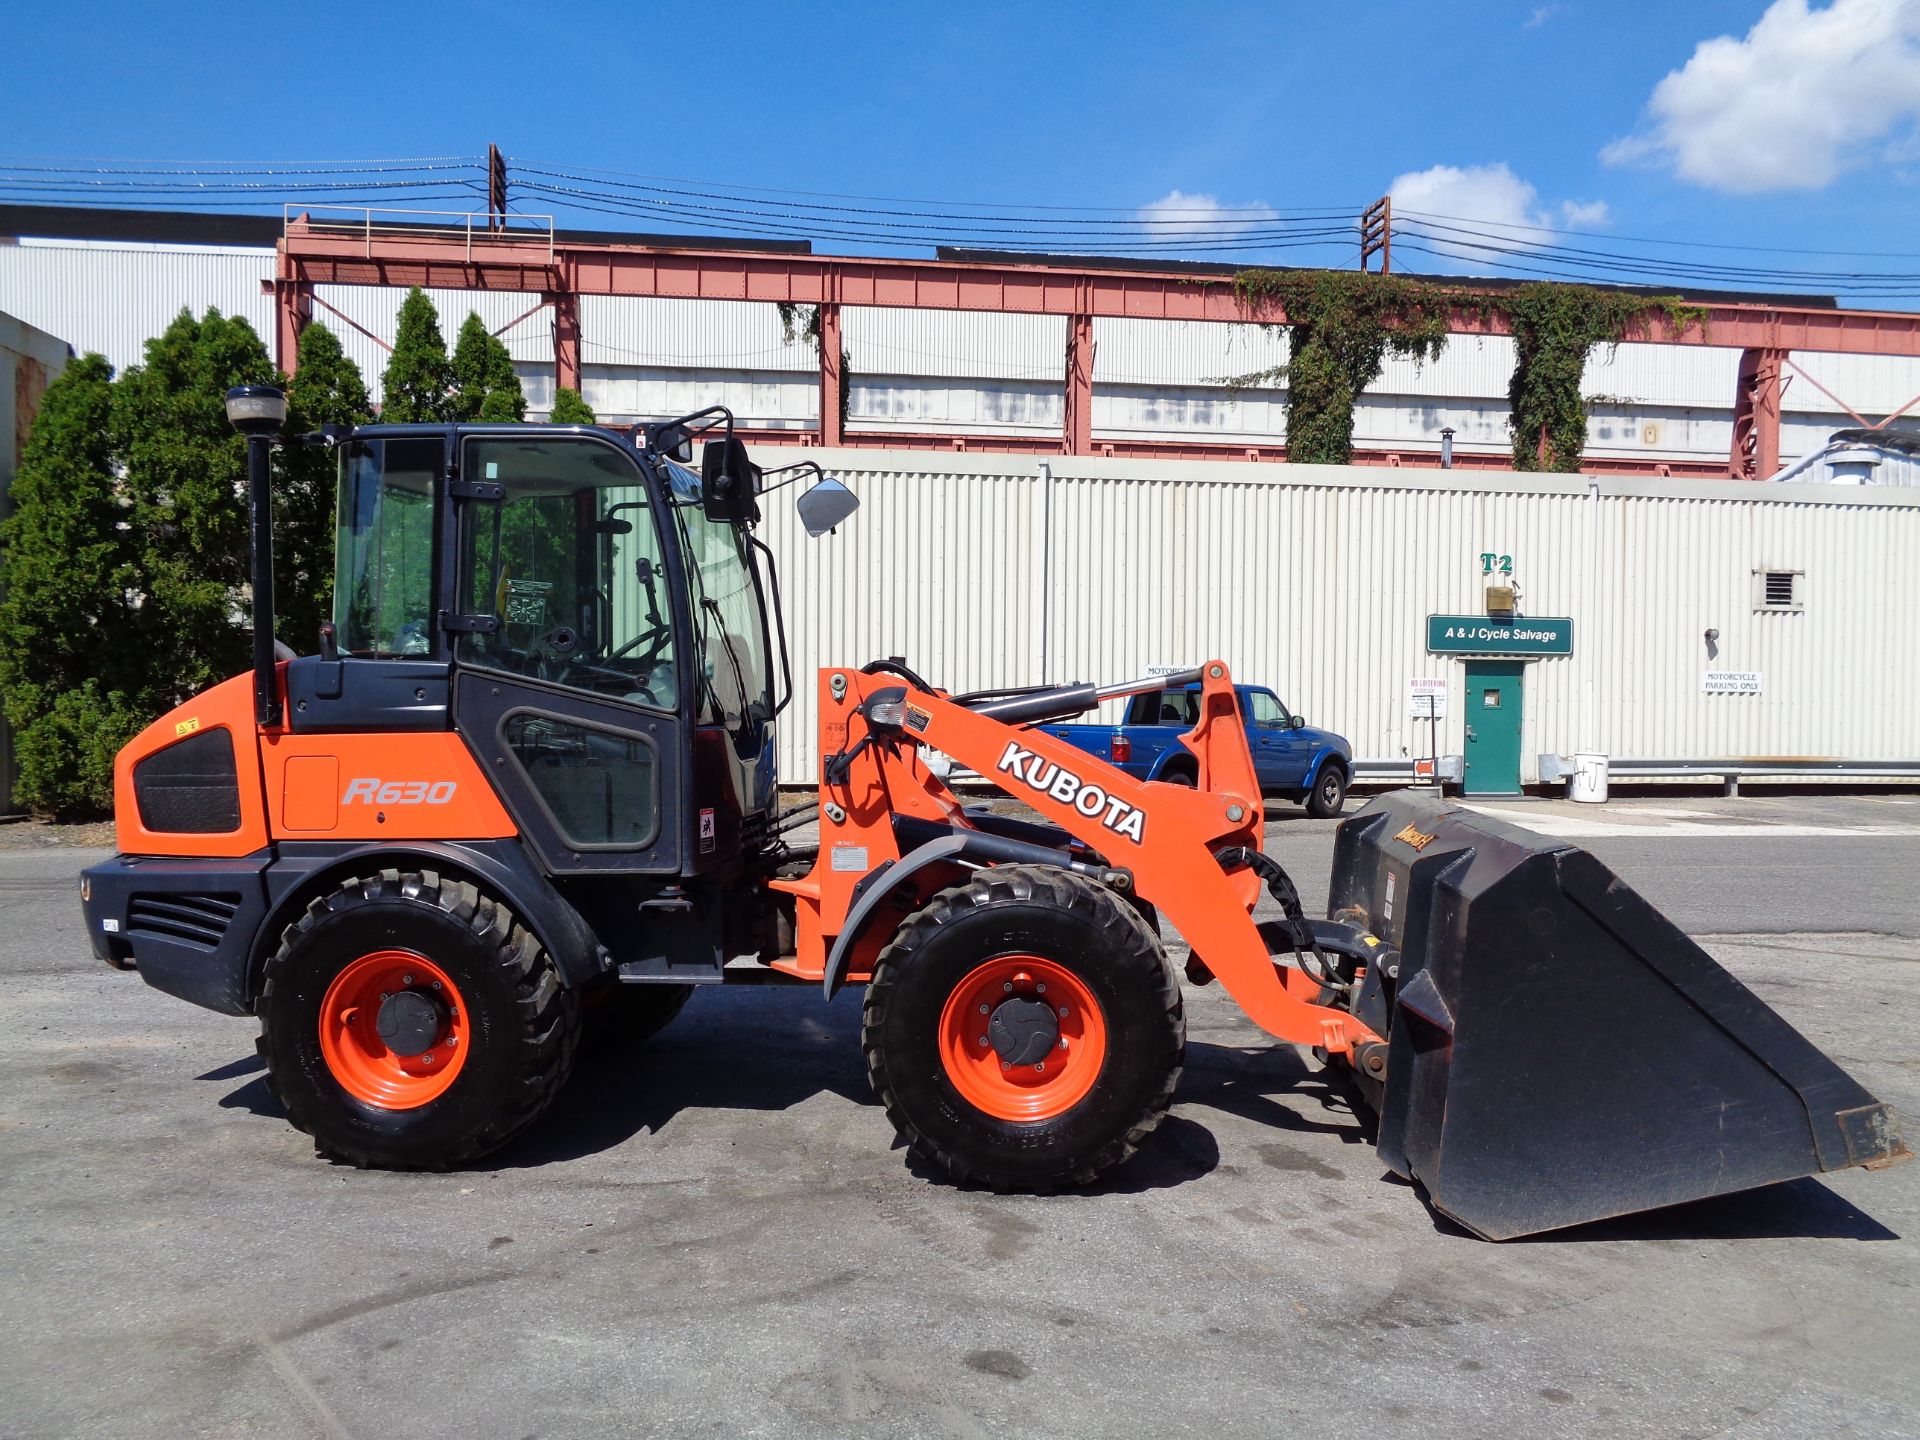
<point x="522" y="232"/>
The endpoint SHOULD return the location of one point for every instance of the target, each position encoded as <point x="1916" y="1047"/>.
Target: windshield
<point x="728" y="621"/>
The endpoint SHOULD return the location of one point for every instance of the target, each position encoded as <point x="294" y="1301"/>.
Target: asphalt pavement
<point x="715" y="1233"/>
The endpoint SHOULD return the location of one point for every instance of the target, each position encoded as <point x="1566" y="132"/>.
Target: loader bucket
<point x="1558" y="1051"/>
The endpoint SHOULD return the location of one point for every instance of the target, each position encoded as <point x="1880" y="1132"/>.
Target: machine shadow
<point x="1803" y="1209"/>
<point x="771" y="1055"/>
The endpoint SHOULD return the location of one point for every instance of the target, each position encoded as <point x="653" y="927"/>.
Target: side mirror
<point x="1297" y="722"/>
<point x="729" y="481"/>
<point x="825" y="505"/>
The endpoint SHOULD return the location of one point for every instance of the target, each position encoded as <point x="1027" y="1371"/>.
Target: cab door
<point x="568" y="677"/>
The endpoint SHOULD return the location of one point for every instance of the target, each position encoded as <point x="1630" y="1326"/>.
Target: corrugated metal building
<point x="954" y="372"/>
<point x="30" y="360"/>
<point x="1318" y="580"/>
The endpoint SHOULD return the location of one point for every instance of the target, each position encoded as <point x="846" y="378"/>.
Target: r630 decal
<point x="399" y="792"/>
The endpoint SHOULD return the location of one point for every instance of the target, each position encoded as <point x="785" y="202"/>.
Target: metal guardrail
<point x="436" y="225"/>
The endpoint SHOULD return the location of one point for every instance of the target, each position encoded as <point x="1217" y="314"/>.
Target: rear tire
<point x="1329" y="794"/>
<point x="488" y="1010"/>
<point x="1180" y="775"/>
<point x="939" y="987"/>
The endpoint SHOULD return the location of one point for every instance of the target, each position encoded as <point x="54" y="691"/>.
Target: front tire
<point x="411" y="1021"/>
<point x="1024" y="1030"/>
<point x="1329" y="794"/>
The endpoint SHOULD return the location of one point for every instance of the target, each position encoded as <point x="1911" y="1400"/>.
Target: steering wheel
<point x="558" y="643"/>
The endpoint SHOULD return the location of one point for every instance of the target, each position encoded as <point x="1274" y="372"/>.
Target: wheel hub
<point x="394" y="1029"/>
<point x="1023" y="1030"/>
<point x="1022" y="1038"/>
<point x="409" y="1023"/>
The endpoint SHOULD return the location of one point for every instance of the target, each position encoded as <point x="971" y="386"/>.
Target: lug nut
<point x="1041" y="988"/>
<point x="426" y="1059"/>
<point x="436" y="984"/>
<point x="1063" y="1009"/>
<point x="1005" y="1065"/>
<point x="1039" y="1067"/>
<point x="406" y="979"/>
<point x="983" y="1042"/>
<point x="983" y="1009"/>
<point x="1007" y="986"/>
<point x="1063" y="1042"/>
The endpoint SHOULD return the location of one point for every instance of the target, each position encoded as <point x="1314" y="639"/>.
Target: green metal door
<point x="1493" y="727"/>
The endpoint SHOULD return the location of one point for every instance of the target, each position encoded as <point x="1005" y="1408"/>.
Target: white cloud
<point x="1540" y="16"/>
<point x="1805" y="96"/>
<point x="1488" y="197"/>
<point x="1584" y="214"/>
<point x="1180" y="216"/>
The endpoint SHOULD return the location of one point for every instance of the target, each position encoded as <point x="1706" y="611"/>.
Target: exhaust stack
<point x="258" y="412"/>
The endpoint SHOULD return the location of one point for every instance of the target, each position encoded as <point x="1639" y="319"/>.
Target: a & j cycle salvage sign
<point x="1477" y="635"/>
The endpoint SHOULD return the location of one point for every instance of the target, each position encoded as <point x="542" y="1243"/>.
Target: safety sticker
<point x="706" y="830"/>
<point x="850" y="857"/>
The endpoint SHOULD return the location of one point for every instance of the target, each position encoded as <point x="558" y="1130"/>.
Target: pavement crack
<point x="310" y="1399"/>
<point x="354" y="1309"/>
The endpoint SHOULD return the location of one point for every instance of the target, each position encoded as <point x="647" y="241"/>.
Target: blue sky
<point x="1799" y="133"/>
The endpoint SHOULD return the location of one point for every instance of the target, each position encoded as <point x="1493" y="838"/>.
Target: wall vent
<point x="1779" y="590"/>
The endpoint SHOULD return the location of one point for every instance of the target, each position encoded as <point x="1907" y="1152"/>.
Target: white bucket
<point x="1588" y="783"/>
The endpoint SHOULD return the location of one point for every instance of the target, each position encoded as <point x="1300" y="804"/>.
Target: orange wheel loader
<point x="532" y="762"/>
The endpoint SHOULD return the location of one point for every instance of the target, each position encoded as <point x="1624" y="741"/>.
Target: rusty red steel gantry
<point x="561" y="271"/>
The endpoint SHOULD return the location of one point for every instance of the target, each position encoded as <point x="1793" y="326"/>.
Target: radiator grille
<point x="195" y="919"/>
<point x="191" y="787"/>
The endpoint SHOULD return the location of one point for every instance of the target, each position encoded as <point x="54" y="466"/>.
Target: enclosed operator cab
<point x="551" y="669"/>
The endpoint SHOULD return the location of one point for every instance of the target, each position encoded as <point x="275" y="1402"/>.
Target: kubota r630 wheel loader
<point x="534" y="760"/>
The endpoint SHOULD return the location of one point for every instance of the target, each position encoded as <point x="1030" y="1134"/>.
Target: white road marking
<point x="1580" y="827"/>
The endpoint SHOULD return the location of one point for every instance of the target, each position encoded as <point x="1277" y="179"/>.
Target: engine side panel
<point x="226" y="709"/>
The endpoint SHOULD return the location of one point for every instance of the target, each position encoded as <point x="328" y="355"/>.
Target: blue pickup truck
<point x="1291" y="758"/>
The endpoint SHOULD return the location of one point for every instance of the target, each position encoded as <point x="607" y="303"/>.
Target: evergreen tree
<point x="326" y="389"/>
<point x="419" y="380"/>
<point x="185" y="474"/>
<point x="486" y="386"/>
<point x="74" y="674"/>
<point x="570" y="409"/>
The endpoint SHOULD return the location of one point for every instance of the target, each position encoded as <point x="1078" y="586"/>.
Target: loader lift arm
<point x="1163" y="842"/>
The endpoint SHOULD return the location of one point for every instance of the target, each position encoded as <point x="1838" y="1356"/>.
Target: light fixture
<point x="256" y="409"/>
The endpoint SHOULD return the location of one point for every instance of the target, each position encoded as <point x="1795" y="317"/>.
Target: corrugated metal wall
<point x="111" y="300"/>
<point x="1317" y="581"/>
<point x="951" y="371"/>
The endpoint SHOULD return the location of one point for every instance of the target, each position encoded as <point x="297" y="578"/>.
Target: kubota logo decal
<point x="398" y="792"/>
<point x="1068" y="788"/>
<point x="1417" y="839"/>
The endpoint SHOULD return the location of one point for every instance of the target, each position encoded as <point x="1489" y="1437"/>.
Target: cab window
<point x="1266" y="710"/>
<point x="384" y="604"/>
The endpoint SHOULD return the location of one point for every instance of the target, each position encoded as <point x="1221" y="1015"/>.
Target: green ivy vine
<point x="1346" y="322"/>
<point x="1555" y="327"/>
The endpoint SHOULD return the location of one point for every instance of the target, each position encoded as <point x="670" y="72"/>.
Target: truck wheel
<point x="412" y="1022"/>
<point x="1024" y="1030"/>
<point x="1177" y="774"/>
<point x="1329" y="793"/>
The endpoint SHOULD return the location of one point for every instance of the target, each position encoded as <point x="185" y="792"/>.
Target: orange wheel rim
<point x="350" y="1030"/>
<point x="988" y="1075"/>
